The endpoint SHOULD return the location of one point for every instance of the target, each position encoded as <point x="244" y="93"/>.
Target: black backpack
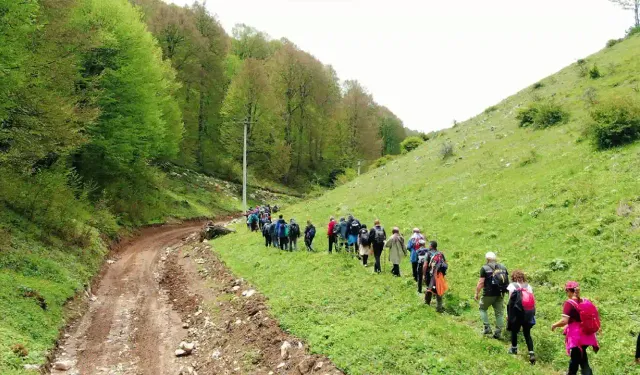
<point x="336" y="229"/>
<point x="498" y="277"/>
<point x="364" y="238"/>
<point x="294" y="230"/>
<point x="380" y="237"/>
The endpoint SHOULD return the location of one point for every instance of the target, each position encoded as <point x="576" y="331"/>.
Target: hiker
<point x="581" y="321"/>
<point x="378" y="236"/>
<point x="521" y="312"/>
<point x="344" y="229"/>
<point x="294" y="234"/>
<point x="309" y="234"/>
<point x="638" y="350"/>
<point x="273" y="231"/>
<point x="254" y="221"/>
<point x="397" y="250"/>
<point x="266" y="233"/>
<point x="413" y="245"/>
<point x="364" y="245"/>
<point x="354" y="230"/>
<point x="422" y="257"/>
<point x="281" y="229"/>
<point x="434" y="269"/>
<point x="493" y="282"/>
<point x="332" y="233"/>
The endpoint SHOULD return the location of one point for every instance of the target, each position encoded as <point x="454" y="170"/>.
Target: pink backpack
<point x="528" y="300"/>
<point x="589" y="316"/>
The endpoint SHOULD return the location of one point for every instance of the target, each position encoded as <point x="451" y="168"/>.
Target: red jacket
<point x="332" y="224"/>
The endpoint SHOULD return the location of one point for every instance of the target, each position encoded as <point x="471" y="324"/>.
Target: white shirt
<point x="513" y="286"/>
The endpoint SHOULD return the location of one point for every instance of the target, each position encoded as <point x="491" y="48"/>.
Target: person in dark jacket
<point x="282" y="233"/>
<point x="353" y="231"/>
<point x="294" y="234"/>
<point x="309" y="234"/>
<point x="638" y="350"/>
<point x="377" y="236"/>
<point x="266" y="233"/>
<point x="344" y="231"/>
<point x="433" y="264"/>
<point x="364" y="245"/>
<point x="273" y="231"/>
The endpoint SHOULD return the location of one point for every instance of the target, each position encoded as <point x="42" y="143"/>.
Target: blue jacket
<point x="280" y="228"/>
<point x="344" y="228"/>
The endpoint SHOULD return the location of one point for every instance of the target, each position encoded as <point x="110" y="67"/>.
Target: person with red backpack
<point x="521" y="312"/>
<point x="413" y="245"/>
<point x="581" y="321"/>
<point x="434" y="270"/>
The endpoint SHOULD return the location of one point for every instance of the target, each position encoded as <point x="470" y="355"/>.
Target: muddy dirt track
<point x="165" y="287"/>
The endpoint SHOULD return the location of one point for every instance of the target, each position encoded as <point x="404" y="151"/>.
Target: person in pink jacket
<point x="576" y="340"/>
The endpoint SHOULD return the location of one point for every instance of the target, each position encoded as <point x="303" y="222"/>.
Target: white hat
<point x="422" y="242"/>
<point x="491" y="255"/>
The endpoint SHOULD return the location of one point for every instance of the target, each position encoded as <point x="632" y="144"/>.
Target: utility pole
<point x="244" y="169"/>
<point x="359" y="164"/>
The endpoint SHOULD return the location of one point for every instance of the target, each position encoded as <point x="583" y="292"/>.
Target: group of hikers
<point x="579" y="318"/>
<point x="279" y="234"/>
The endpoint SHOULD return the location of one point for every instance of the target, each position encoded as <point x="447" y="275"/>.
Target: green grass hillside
<point x="545" y="200"/>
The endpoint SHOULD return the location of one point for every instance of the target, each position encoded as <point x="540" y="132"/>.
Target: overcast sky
<point x="431" y="62"/>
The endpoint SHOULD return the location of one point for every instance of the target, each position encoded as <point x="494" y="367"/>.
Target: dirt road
<point x="164" y="288"/>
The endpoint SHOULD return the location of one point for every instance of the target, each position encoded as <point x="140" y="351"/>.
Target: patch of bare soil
<point x="165" y="304"/>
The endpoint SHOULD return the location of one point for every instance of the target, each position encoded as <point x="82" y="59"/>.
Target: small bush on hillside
<point x="594" y="72"/>
<point x="613" y="42"/>
<point x="446" y="151"/>
<point x="633" y="31"/>
<point x="410" y="144"/>
<point x="583" y="69"/>
<point x="538" y="85"/>
<point x="590" y="96"/>
<point x="348" y="175"/>
<point x="382" y="161"/>
<point x="558" y="265"/>
<point x="491" y="109"/>
<point x="425" y="137"/>
<point x="542" y="115"/>
<point x="616" y="123"/>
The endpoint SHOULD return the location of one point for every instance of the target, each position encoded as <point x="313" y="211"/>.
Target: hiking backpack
<point x="528" y="300"/>
<point x="416" y="243"/>
<point x="294" y="230"/>
<point x="355" y="225"/>
<point x="499" y="278"/>
<point x="589" y="316"/>
<point x="364" y="238"/>
<point x="312" y="232"/>
<point x="379" y="237"/>
<point x="286" y="230"/>
<point x="336" y="229"/>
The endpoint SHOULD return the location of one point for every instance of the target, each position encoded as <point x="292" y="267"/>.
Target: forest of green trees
<point x="94" y="94"/>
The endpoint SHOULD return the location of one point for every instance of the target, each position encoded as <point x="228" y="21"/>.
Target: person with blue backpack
<point x="521" y="312"/>
<point x="281" y="231"/>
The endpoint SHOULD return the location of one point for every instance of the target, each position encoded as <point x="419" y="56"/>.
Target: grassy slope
<point x="534" y="197"/>
<point x="57" y="270"/>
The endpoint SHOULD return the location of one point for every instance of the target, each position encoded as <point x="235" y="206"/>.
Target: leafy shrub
<point x="348" y="175"/>
<point x="542" y="115"/>
<point x="446" y="151"/>
<point x="425" y="137"/>
<point x="594" y="72"/>
<point x="582" y="67"/>
<point x="382" y="161"/>
<point x="491" y="109"/>
<point x="538" y="85"/>
<point x="410" y="144"/>
<point x="558" y="265"/>
<point x="633" y="31"/>
<point x="616" y="123"/>
<point x="613" y="42"/>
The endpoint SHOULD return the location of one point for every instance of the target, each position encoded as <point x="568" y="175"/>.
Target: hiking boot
<point x="487" y="330"/>
<point x="532" y="358"/>
<point x="513" y="350"/>
<point x="497" y="334"/>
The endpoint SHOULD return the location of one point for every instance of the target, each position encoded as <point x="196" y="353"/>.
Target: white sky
<point x="434" y="61"/>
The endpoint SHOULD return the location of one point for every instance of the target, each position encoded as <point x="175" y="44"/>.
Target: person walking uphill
<point x="309" y="234"/>
<point x="281" y="229"/>
<point x="435" y="268"/>
<point x="266" y="233"/>
<point x="493" y="282"/>
<point x="581" y="321"/>
<point x="413" y="245"/>
<point x="397" y="250"/>
<point x="364" y="244"/>
<point x="332" y="234"/>
<point x="344" y="232"/>
<point x="353" y="231"/>
<point x="521" y="312"/>
<point x="377" y="236"/>
<point x="294" y="234"/>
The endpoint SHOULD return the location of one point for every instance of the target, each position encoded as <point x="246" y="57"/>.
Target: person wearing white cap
<point x="493" y="282"/>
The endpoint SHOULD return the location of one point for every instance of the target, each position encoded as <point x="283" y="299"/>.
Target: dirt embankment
<point x="165" y="288"/>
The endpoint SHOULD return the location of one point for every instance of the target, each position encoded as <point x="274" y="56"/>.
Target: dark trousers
<point x="427" y="299"/>
<point x="333" y="240"/>
<point x="638" y="347"/>
<point x="267" y="240"/>
<point x="580" y="360"/>
<point x="396" y="270"/>
<point x="526" y="331"/>
<point x="377" y="252"/>
<point x="414" y="270"/>
<point x="420" y="276"/>
<point x="283" y="243"/>
<point x="308" y="241"/>
<point x="365" y="258"/>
